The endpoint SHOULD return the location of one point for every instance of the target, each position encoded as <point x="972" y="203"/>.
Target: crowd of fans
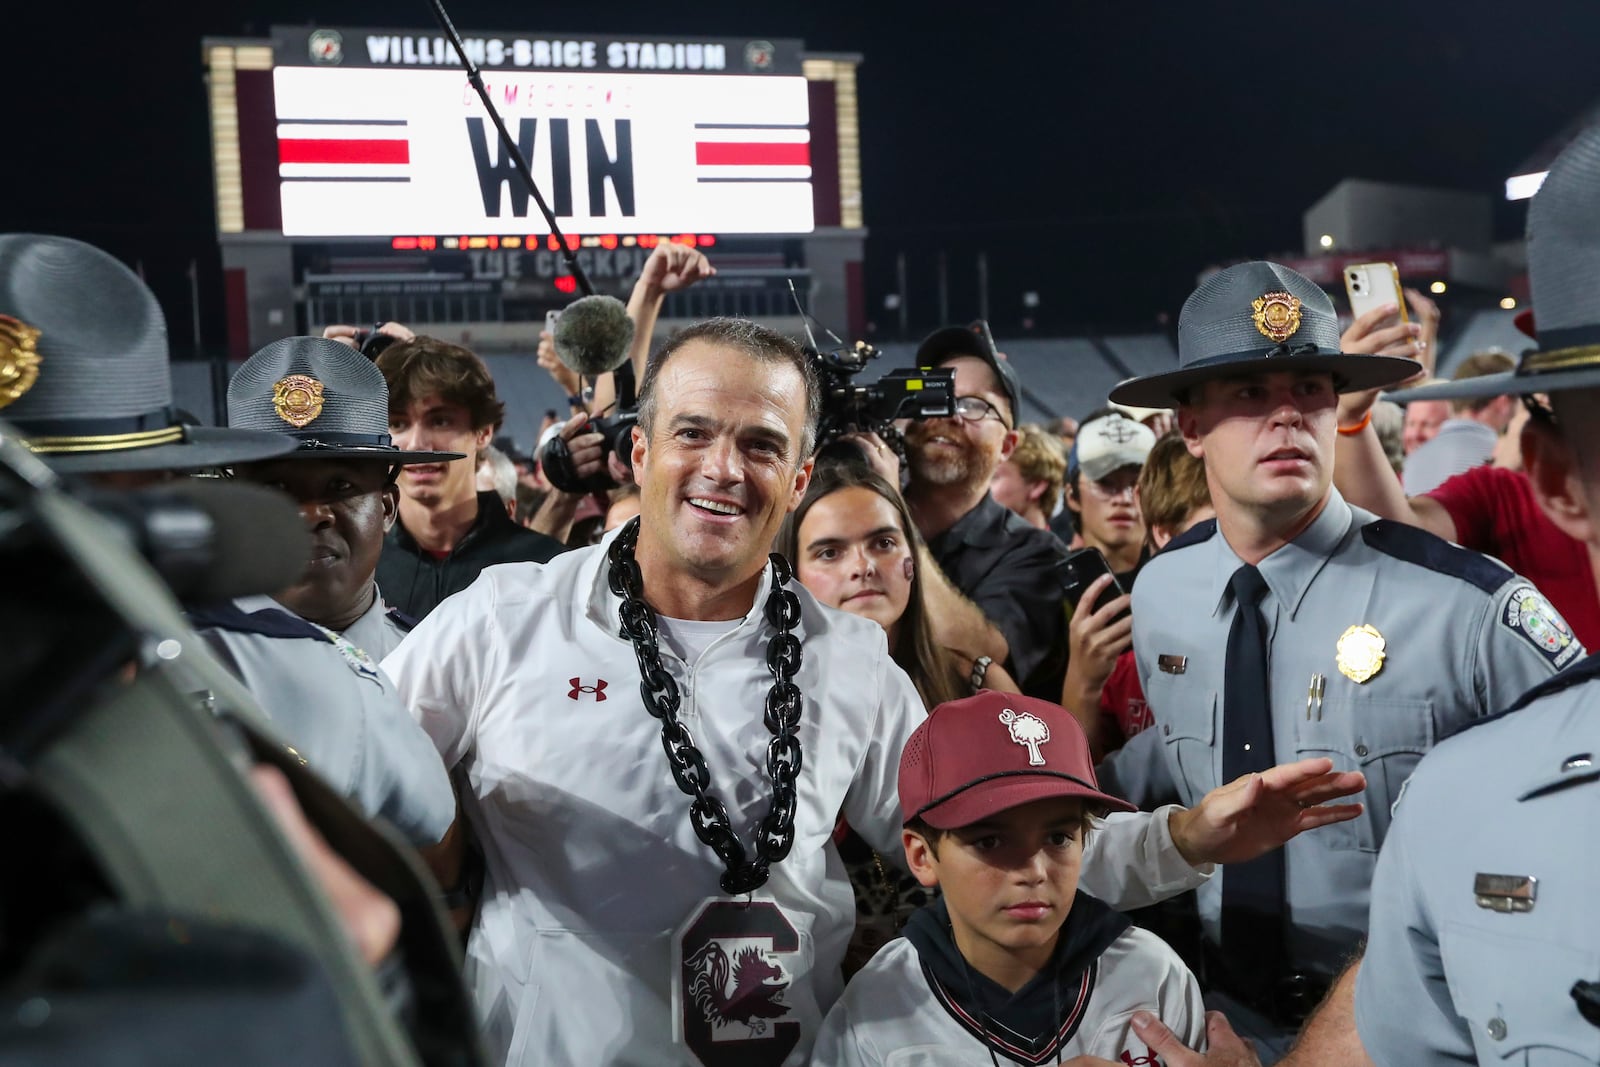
<point x="882" y="795"/>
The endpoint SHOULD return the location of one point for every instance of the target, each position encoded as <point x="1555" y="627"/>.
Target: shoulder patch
<point x="1436" y="554"/>
<point x="1533" y="618"/>
<point x="1199" y="533"/>
<point x="269" y="622"/>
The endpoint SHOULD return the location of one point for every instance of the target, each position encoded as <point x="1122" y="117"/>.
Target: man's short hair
<point x="1477" y="365"/>
<point x="1172" y="484"/>
<point x="754" y="340"/>
<point x="1039" y="458"/>
<point x="427" y="366"/>
<point x="1389" y="423"/>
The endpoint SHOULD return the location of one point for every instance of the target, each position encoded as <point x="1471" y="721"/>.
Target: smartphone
<point x="550" y="319"/>
<point x="1079" y="571"/>
<point x="1372" y="285"/>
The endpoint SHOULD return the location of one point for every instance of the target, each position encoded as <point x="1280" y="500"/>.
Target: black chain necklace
<point x="708" y="816"/>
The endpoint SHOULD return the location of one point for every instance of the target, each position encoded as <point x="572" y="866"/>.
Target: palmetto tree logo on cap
<point x="1027" y="730"/>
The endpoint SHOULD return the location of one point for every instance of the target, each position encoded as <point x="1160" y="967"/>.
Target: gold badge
<point x="19" y="358"/>
<point x="1360" y="653"/>
<point x="298" y="399"/>
<point x="1277" y="315"/>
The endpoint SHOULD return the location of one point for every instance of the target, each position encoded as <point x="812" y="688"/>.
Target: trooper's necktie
<point x="1252" y="893"/>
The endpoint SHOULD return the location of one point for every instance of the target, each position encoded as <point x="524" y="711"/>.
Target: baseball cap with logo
<point x="984" y="754"/>
<point x="1109" y="443"/>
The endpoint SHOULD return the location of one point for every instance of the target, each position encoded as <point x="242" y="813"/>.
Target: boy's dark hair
<point x="427" y="366"/>
<point x="1091" y="813"/>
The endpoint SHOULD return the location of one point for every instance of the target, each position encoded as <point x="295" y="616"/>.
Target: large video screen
<point x="375" y="151"/>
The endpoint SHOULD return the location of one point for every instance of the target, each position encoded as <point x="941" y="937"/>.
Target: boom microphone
<point x="211" y="540"/>
<point x="593" y="335"/>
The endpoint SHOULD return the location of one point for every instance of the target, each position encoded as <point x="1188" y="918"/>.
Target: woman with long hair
<point x="853" y="545"/>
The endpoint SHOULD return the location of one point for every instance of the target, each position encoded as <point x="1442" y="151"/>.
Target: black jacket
<point x="415" y="582"/>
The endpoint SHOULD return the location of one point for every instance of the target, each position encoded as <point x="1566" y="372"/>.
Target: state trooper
<point x="1484" y="937"/>
<point x="1295" y="625"/>
<point x="330" y="399"/>
<point x="296" y="652"/>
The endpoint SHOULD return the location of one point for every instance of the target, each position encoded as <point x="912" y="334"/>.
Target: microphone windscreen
<point x="593" y="335"/>
<point x="213" y="540"/>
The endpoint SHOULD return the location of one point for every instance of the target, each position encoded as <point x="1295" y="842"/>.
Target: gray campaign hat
<point x="1259" y="317"/>
<point x="1564" y="276"/>
<point x="84" y="375"/>
<point x="327" y="396"/>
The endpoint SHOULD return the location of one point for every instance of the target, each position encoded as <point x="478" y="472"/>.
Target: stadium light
<point x="1508" y="303"/>
<point x="1436" y="288"/>
<point x="1326" y="240"/>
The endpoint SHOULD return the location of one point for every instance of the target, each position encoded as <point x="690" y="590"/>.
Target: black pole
<point x="510" y="146"/>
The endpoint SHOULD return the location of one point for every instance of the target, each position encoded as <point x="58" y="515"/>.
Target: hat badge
<point x="1277" y="314"/>
<point x="19" y="358"/>
<point x="297" y="399"/>
<point x="1029" y="731"/>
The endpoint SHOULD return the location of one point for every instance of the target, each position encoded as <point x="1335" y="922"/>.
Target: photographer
<point x="442" y="398"/>
<point x="988" y="554"/>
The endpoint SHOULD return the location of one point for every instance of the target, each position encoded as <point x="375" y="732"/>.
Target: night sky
<point x="1101" y="154"/>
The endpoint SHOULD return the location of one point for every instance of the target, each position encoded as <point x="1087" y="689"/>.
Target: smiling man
<point x="648" y="844"/>
<point x="994" y="592"/>
<point x="1295" y="624"/>
<point x="441" y="396"/>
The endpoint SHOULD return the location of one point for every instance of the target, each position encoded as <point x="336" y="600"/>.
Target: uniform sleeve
<point x="1403" y="1009"/>
<point x="1523" y="641"/>
<point x="1022" y="597"/>
<point x="1138" y="772"/>
<point x="841" y="1045"/>
<point x="1131" y="861"/>
<point x="872" y="805"/>
<point x="441" y="666"/>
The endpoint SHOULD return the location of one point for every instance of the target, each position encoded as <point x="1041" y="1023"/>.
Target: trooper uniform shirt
<point x="380" y="629"/>
<point x="1484" y="905"/>
<point x="919" y="1003"/>
<point x="602" y="937"/>
<point x="1383" y="639"/>
<point x="330" y="701"/>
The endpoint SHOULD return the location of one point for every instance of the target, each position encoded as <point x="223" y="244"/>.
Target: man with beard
<point x="1002" y="598"/>
<point x="1294" y="621"/>
<point x="307" y="654"/>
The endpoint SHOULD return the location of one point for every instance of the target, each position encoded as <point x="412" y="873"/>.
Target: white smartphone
<point x="1372" y="285"/>
<point x="550" y="318"/>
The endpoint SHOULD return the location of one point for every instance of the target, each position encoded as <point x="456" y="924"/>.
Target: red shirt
<point x="1495" y="513"/>
<point x="1122" y="700"/>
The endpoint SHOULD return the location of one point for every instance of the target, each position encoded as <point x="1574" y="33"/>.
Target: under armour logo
<point x="1147" y="1060"/>
<point x="598" y="689"/>
<point x="1119" y="430"/>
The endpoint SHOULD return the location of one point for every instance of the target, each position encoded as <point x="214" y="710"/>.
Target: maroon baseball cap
<point x="986" y="753"/>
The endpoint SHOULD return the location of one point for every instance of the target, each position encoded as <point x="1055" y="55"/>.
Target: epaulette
<point x="1414" y="545"/>
<point x="1199" y="533"/>
<point x="269" y="622"/>
<point x="401" y="619"/>
<point x="1585" y="670"/>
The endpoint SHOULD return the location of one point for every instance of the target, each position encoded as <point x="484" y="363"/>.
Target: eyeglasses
<point x="976" y="409"/>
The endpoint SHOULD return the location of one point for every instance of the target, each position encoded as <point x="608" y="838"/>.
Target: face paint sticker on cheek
<point x="908" y="567"/>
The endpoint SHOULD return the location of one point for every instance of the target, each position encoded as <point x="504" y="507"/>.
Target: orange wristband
<point x="1351" y="431"/>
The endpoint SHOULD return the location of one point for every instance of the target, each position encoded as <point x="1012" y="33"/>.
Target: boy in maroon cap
<point x="998" y="795"/>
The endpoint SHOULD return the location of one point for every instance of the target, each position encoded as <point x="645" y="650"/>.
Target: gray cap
<point x="1257" y="317"/>
<point x="1564" y="276"/>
